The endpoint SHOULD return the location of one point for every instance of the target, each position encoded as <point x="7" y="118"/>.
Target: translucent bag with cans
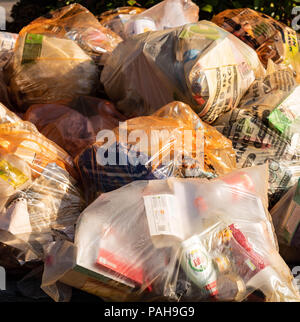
<point x="40" y="200"/>
<point x="73" y="125"/>
<point x="269" y="37"/>
<point x="265" y="127"/>
<point x="199" y="64"/>
<point x="171" y="142"/>
<point x="164" y="15"/>
<point x="189" y="240"/>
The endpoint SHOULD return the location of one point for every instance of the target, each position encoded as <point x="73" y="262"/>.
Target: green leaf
<point x="207" y="8"/>
<point x="131" y="2"/>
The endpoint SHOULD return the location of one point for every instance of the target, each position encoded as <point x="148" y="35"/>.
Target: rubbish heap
<point x="149" y="156"/>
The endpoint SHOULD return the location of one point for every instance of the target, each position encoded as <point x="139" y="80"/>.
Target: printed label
<point x="12" y="175"/>
<point x="287" y="112"/>
<point x="32" y="48"/>
<point x="162" y="215"/>
<point x="7" y="40"/>
<point x="197" y="260"/>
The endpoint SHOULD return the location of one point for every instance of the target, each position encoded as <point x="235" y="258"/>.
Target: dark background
<point x="24" y="11"/>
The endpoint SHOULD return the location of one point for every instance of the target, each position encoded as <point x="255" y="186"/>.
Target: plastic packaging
<point x="40" y="200"/>
<point x="56" y="58"/>
<point x="256" y="140"/>
<point x="193" y="240"/>
<point x="164" y="15"/>
<point x="7" y="41"/>
<point x="74" y="125"/>
<point x="115" y="19"/>
<point x="270" y="38"/>
<point x="199" y="64"/>
<point x="173" y="142"/>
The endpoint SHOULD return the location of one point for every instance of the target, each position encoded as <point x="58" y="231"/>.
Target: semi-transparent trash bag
<point x="164" y="15"/>
<point x="286" y="219"/>
<point x="39" y="198"/>
<point x="47" y="69"/>
<point x="199" y="64"/>
<point x="270" y="38"/>
<point x="257" y="136"/>
<point x="77" y="23"/>
<point x="171" y="142"/>
<point x="176" y="240"/>
<point x="56" y="58"/>
<point x="74" y="125"/>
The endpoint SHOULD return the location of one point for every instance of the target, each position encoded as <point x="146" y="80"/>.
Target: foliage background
<point x="27" y="10"/>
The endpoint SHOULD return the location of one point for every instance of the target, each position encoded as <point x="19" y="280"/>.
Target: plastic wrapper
<point x="115" y="19"/>
<point x="7" y="41"/>
<point x="40" y="200"/>
<point x="193" y="240"/>
<point x="164" y="15"/>
<point x="199" y="64"/>
<point x="286" y="218"/>
<point x="74" y="125"/>
<point x="256" y="140"/>
<point x="173" y="142"/>
<point x="56" y="58"/>
<point x="270" y="38"/>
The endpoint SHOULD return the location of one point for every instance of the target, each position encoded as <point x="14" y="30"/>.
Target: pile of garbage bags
<point x="149" y="156"/>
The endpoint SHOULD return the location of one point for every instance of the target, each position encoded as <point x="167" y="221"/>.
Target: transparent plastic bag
<point x="256" y="140"/>
<point x="193" y="240"/>
<point x="74" y="125"/>
<point x="199" y="64"/>
<point x="171" y="142"/>
<point x="164" y="15"/>
<point x="57" y="57"/>
<point x="40" y="200"/>
<point x="270" y="38"/>
<point x="78" y="24"/>
<point x="48" y="69"/>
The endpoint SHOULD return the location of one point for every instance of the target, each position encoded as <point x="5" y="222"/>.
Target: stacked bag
<point x="142" y="153"/>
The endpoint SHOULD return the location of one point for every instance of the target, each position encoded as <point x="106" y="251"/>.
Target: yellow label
<point x="291" y="45"/>
<point x="12" y="175"/>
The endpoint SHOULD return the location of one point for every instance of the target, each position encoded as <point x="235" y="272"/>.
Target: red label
<point x="120" y="266"/>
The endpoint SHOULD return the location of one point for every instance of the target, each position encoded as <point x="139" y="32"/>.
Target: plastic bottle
<point x="198" y="265"/>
